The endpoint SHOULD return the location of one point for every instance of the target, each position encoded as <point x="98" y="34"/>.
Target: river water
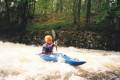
<point x="21" y="62"/>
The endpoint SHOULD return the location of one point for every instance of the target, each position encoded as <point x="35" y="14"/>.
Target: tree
<point x="59" y="6"/>
<point x="118" y="16"/>
<point x="88" y="12"/>
<point x="16" y="13"/>
<point x="118" y="2"/>
<point x="7" y="10"/>
<point x="76" y="12"/>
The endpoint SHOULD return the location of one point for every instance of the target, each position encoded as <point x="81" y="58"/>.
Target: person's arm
<point x="44" y="48"/>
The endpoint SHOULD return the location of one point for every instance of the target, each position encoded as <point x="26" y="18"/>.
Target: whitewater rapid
<point x="21" y="62"/>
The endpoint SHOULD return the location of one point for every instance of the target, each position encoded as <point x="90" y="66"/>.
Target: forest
<point x="93" y="24"/>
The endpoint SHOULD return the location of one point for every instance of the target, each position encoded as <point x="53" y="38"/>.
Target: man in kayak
<point x="48" y="45"/>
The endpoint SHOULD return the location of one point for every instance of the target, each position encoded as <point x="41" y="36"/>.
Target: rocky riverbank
<point x="80" y="39"/>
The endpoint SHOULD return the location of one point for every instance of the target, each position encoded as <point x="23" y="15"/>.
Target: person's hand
<point x="56" y="44"/>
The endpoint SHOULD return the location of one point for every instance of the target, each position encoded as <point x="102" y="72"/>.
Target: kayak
<point x="63" y="57"/>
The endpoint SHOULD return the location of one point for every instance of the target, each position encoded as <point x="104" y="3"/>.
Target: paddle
<point x="54" y="37"/>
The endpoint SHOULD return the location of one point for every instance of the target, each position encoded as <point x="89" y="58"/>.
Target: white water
<point x="21" y="62"/>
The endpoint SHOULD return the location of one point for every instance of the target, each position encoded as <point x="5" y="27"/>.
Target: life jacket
<point x="47" y="48"/>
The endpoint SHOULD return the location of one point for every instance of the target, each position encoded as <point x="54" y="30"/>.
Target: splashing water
<point x="20" y="62"/>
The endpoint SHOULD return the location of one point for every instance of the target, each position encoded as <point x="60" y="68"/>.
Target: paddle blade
<point x="53" y="34"/>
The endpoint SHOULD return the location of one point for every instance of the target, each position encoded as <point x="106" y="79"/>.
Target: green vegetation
<point x="26" y="18"/>
<point x="49" y="25"/>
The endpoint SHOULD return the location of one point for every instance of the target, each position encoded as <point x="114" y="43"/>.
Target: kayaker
<point x="48" y="46"/>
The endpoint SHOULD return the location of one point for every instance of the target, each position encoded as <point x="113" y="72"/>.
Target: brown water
<point x="20" y="62"/>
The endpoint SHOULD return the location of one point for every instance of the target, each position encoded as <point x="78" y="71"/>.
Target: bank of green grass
<point x="36" y="26"/>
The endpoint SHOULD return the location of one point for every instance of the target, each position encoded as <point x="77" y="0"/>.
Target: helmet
<point x="48" y="39"/>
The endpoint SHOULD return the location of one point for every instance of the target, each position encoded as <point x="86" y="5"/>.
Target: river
<point x="21" y="62"/>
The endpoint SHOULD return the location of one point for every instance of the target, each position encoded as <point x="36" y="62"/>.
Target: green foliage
<point x="48" y="26"/>
<point x="14" y="14"/>
<point x="117" y="13"/>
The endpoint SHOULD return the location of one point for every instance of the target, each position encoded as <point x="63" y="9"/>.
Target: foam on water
<point x="20" y="62"/>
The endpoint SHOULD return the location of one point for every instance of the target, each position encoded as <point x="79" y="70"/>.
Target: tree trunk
<point x="108" y="4"/>
<point x="88" y="12"/>
<point x="99" y="5"/>
<point x="76" y="12"/>
<point x="118" y="19"/>
<point x="84" y="6"/>
<point x="33" y="8"/>
<point x="24" y="15"/>
<point x="59" y="6"/>
<point x="118" y="2"/>
<point x="7" y="11"/>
